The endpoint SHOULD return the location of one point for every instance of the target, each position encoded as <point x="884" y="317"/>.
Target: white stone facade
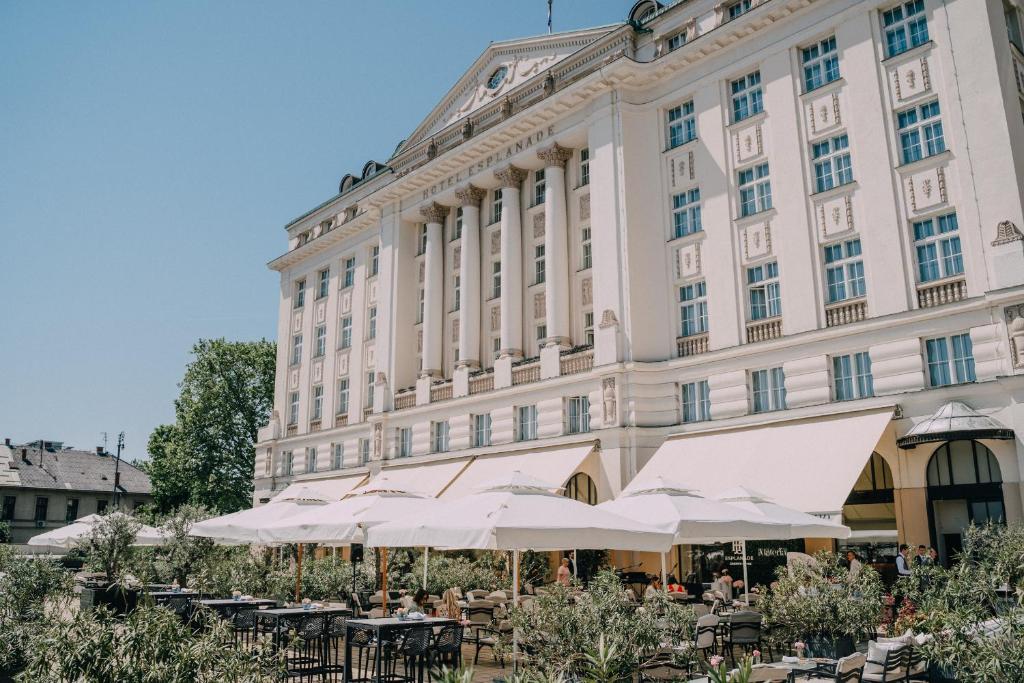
<point x="592" y="143"/>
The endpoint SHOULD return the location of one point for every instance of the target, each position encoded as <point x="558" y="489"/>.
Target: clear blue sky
<point x="150" y="154"/>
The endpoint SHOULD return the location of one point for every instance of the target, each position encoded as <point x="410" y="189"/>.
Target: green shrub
<point x="32" y="591"/>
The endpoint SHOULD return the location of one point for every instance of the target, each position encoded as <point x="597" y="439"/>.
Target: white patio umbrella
<point x="690" y="518"/>
<point x="67" y="537"/>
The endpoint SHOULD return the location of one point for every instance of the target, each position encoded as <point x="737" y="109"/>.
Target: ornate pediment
<point x="500" y="69"/>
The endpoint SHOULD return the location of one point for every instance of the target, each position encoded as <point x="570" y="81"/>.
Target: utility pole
<point x="550" y="2"/>
<point x="117" y="470"/>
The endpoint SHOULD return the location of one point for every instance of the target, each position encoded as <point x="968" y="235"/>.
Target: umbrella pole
<point x="664" y="573"/>
<point x="298" y="577"/>
<point x="515" y="604"/>
<point x="746" y="586"/>
<point x="384" y="580"/>
<point x="575" y="566"/>
<point x="426" y="560"/>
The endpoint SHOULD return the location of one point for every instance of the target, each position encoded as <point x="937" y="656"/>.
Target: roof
<point x="68" y="470"/>
<point x="952" y="421"/>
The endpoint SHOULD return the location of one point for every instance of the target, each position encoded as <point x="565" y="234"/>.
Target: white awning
<point x="329" y="489"/>
<point x="553" y="465"/>
<point x="809" y="465"/>
<point x="427" y="478"/>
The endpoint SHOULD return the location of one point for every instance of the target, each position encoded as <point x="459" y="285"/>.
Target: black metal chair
<point x="305" y="658"/>
<point x="481" y="616"/>
<point x="364" y="645"/>
<point x="334" y="649"/>
<point x="742" y="629"/>
<point x="412" y="650"/>
<point x="917" y="666"/>
<point x="447" y="648"/>
<point x="243" y="624"/>
<point x="492" y="638"/>
<point x="847" y="670"/>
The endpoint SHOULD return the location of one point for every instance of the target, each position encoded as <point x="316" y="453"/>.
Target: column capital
<point x="470" y="195"/>
<point x="434" y="212"/>
<point x="554" y="155"/>
<point x="510" y="176"/>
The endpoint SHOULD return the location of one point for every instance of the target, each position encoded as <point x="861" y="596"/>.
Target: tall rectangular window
<point x="586" y="248"/>
<point x="421" y="240"/>
<point x="293" y="408"/>
<point x="481" y="430"/>
<point x="439" y="436"/>
<point x="681" y="122"/>
<point x="345" y="337"/>
<point x="323" y="283"/>
<point x="268" y="462"/>
<point x="588" y="328"/>
<point x="538" y="264"/>
<point x="539" y="187"/>
<point x="7" y="514"/>
<point x="821" y="63"/>
<point x="844" y="271"/>
<point x="526" y="423"/>
<point x="71" y="511"/>
<point x="404" y="445"/>
<point x="318" y="402"/>
<point x="311" y="460"/>
<point x="320" y="341"/>
<point x="371" y="323"/>
<point x="768" y="390"/>
<point x="755" y="189"/>
<point x="693" y="309"/>
<point x="348" y="276"/>
<point x="937" y="244"/>
<point x="42" y="507"/>
<point x="1013" y="31"/>
<point x="496" y="205"/>
<point x="457" y="226"/>
<point x="686" y="213"/>
<point x="737" y="9"/>
<point x="422" y="306"/>
<point x="832" y="165"/>
<point x="851" y="376"/>
<point x="299" y="298"/>
<point x="542" y="334"/>
<point x="369" y="389"/>
<point x="950" y="360"/>
<point x="288" y="464"/>
<point x="296" y="349"/>
<point x="364" y="451"/>
<point x="584" y="166"/>
<point x="696" y="401"/>
<point x="746" y="96"/>
<point x="577" y="415"/>
<point x="495" y="279"/>
<point x="337" y="456"/>
<point x="905" y="27"/>
<point x="763" y="291"/>
<point x="342" y="407"/>
<point x="456" y="292"/>
<point x="676" y="41"/>
<point x="920" y="131"/>
<point x="374" y="260"/>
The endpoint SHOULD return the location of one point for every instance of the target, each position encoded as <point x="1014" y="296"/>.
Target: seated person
<point x="652" y="588"/>
<point x="419" y="601"/>
<point x="674" y="586"/>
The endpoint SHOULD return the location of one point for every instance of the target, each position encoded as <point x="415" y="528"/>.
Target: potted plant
<point x="107" y="549"/>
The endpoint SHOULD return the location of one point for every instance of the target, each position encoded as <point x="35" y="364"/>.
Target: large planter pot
<point x="832" y="647"/>
<point x="114" y="598"/>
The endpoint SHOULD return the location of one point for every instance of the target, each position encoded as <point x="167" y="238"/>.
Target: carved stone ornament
<point x="549" y="84"/>
<point x="608" y="402"/>
<point x="538" y="225"/>
<point x="495" y="319"/>
<point x="554" y="155"/>
<point x="1007" y="232"/>
<point x="434" y="212"/>
<point x="506" y="107"/>
<point x="608" y="318"/>
<point x="432" y="149"/>
<point x="510" y="177"/>
<point x="587" y="291"/>
<point x="467" y="129"/>
<point x="1015" y="329"/>
<point x="378" y="440"/>
<point x="539" y="305"/>
<point x="585" y="207"/>
<point x="470" y="195"/>
<point x="381" y="380"/>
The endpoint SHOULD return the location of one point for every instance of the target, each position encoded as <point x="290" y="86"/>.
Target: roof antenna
<point x="550" y="2"/>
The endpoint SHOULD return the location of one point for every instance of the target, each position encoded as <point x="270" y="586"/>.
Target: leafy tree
<point x="206" y="457"/>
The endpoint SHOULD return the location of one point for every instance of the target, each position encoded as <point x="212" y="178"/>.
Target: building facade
<point x="663" y="244"/>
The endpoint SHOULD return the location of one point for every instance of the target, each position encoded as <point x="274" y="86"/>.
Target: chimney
<point x="7" y="442"/>
<point x="99" y="450"/>
<point x="24" y="454"/>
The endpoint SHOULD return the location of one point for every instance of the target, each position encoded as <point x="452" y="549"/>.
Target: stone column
<point x="469" y="277"/>
<point x="433" y="295"/>
<point x="556" y="247"/>
<point x="511" y="179"/>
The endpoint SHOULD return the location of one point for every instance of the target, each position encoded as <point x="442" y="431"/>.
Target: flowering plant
<point x="799" y="648"/>
<point x="718" y="672"/>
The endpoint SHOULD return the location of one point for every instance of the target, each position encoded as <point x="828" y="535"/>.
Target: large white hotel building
<point x="758" y="242"/>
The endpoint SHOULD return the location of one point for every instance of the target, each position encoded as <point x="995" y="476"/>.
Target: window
<point x="586" y="248"/>
<point x="539" y="187"/>
<point x="496" y="279"/>
<point x="346" y="332"/>
<point x="693" y="309"/>
<point x="456" y="292"/>
<point x="296" y="349"/>
<point x="300" y="294"/>
<point x="686" y="213"/>
<point x="768" y="390"/>
<point x="937" y="243"/>
<point x="439" y="436"/>
<point x="268" y="462"/>
<point x="696" y="401"/>
<point x="577" y="415"/>
<point x="585" y="166"/>
<point x="755" y="190"/>
<point x="832" y="165"/>
<point x="538" y="264"/>
<point x="364" y="451"/>
<point x="920" y="130"/>
<point x="337" y="456"/>
<point x="342" y="407"/>
<point x="311" y="460"/>
<point x="905" y="27"/>
<point x="481" y="430"/>
<point x="737" y="9"/>
<point x="676" y="41"/>
<point x="101" y="506"/>
<point x="403" y="442"/>
<point x="496" y="206"/>
<point x="682" y="124"/>
<point x="851" y="375"/>
<point x="844" y="271"/>
<point x="348" y="272"/>
<point x="42" y="505"/>
<point x="763" y="291"/>
<point x="950" y="360"/>
<point x="71" y="511"/>
<point x="422" y="307"/>
<point x="588" y="328"/>
<point x="318" y="402"/>
<point x="7" y="514"/>
<point x="293" y="408"/>
<point x="320" y="341"/>
<point x="289" y="463"/>
<point x="323" y="283"/>
<point x="421" y="241"/>
<point x="821" y="63"/>
<point x="1013" y="31"/>
<point x="526" y="423"/>
<point x="542" y="334"/>
<point x="457" y="226"/>
<point x="371" y="323"/>
<point x="369" y="389"/>
<point x="746" y="96"/>
<point x="496" y="345"/>
<point x="374" y="260"/>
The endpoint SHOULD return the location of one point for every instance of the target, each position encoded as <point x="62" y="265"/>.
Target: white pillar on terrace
<point x="511" y="179"/>
<point x="556" y="247"/>
<point x="469" y="277"/>
<point x="433" y="295"/>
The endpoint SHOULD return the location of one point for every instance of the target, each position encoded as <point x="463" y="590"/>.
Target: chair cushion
<point x="875" y="664"/>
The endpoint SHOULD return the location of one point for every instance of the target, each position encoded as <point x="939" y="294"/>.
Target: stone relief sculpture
<point x="608" y="401"/>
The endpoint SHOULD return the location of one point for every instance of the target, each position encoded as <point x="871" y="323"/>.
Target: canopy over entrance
<point x="555" y="465"/>
<point x="953" y="422"/>
<point x="808" y="465"/>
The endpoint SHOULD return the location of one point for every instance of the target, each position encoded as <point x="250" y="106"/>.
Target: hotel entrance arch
<point x="964" y="487"/>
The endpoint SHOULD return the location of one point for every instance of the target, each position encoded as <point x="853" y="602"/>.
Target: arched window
<point x="958" y="463"/>
<point x="581" y="487"/>
<point x="876" y="475"/>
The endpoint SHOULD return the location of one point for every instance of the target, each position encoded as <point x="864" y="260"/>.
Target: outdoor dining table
<point x="278" y="622"/>
<point x="229" y="607"/>
<point x="804" y="666"/>
<point x="163" y="596"/>
<point x="384" y="630"/>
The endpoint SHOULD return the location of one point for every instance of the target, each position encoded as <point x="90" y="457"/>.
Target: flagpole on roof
<point x="550" y="2"/>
